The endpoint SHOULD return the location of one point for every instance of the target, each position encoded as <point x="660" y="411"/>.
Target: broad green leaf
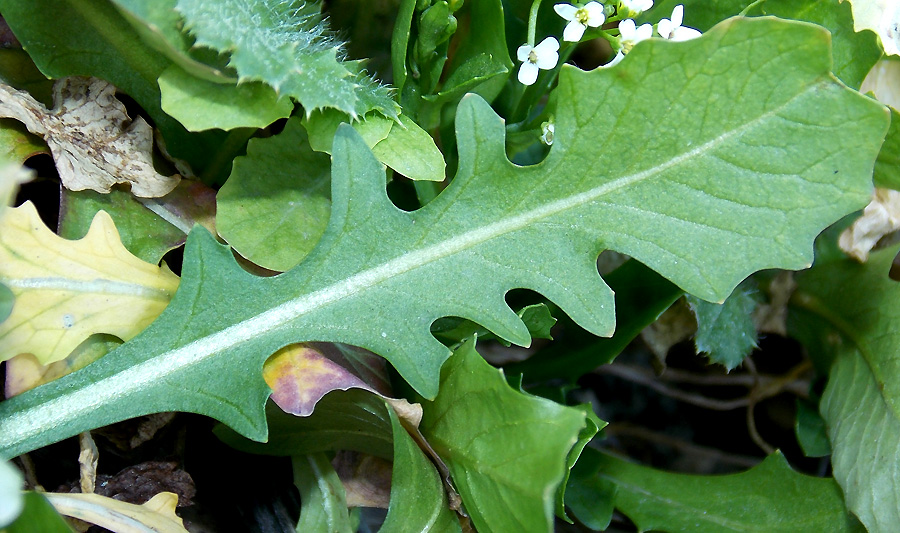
<point x="861" y="403"/>
<point x="12" y="500"/>
<point x="149" y="228"/>
<point x="91" y="38"/>
<point x="285" y="45"/>
<point x="324" y="504"/>
<point x="66" y="291"/>
<point x="354" y="419"/>
<point x="400" y="144"/>
<point x="38" y="515"/>
<point x="418" y="500"/>
<point x="726" y="332"/>
<point x="275" y="205"/>
<point x="7" y="299"/>
<point x="769" y="497"/>
<point x="884" y="82"/>
<point x="854" y="53"/>
<point x="202" y="105"/>
<point x="705" y="194"/>
<point x="301" y="374"/>
<point x="506" y="450"/>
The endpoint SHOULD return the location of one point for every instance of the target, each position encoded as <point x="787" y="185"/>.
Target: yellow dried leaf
<point x="157" y="515"/>
<point x="66" y="291"/>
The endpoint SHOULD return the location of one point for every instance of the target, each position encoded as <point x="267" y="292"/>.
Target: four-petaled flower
<point x="629" y="35"/>
<point x="673" y="30"/>
<point x="543" y="56"/>
<point x="634" y="7"/>
<point x="580" y="18"/>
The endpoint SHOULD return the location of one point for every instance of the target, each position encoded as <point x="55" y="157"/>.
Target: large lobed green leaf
<point x="861" y="404"/>
<point x="682" y="157"/>
<point x="768" y="497"/>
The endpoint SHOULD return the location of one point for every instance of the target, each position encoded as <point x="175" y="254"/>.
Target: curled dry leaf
<point x="879" y="218"/>
<point x="158" y="514"/>
<point x="93" y="141"/>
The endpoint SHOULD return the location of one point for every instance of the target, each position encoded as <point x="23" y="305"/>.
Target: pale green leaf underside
<point x="285" y="44"/>
<point x="861" y="404"/>
<point x="701" y="175"/>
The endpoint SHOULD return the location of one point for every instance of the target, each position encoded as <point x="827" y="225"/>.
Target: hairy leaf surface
<point x="286" y="45"/>
<point x="704" y="191"/>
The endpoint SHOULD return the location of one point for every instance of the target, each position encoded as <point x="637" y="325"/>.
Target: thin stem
<point x="751" y="6"/>
<point x="532" y="21"/>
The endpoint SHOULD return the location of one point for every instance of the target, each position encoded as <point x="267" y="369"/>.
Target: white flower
<point x="631" y="35"/>
<point x="579" y="19"/>
<point x="543" y="56"/>
<point x="673" y="30"/>
<point x="547" y="131"/>
<point x="634" y="7"/>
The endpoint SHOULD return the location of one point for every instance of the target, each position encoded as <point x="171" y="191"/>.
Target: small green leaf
<point x="418" y="499"/>
<point x="275" y="205"/>
<point x="726" y="332"/>
<point x="323" y="502"/>
<point x="506" y="450"/>
<point x="400" y="144"/>
<point x="17" y="144"/>
<point x="810" y="430"/>
<point x="202" y="105"/>
<point x="38" y="515"/>
<point x="769" y="497"/>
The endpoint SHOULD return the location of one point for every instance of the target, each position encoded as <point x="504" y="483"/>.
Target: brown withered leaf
<point x="93" y="141"/>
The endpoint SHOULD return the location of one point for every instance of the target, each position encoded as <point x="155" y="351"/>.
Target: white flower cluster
<point x="545" y="55"/>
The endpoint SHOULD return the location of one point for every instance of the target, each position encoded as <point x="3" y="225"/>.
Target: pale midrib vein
<point x="95" y="286"/>
<point x="28" y="423"/>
